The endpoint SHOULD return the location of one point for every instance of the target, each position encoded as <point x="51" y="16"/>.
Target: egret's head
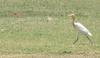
<point x="72" y="16"/>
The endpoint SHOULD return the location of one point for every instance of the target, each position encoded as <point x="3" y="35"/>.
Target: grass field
<point x="25" y="29"/>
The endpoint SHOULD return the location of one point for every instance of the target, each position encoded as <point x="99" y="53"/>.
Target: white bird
<point x="80" y="28"/>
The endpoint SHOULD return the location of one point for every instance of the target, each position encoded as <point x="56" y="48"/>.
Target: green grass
<point x="24" y="28"/>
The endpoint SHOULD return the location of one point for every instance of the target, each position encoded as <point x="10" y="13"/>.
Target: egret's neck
<point x="73" y="18"/>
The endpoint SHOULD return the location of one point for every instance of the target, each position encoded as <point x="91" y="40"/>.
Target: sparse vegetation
<point x="25" y="29"/>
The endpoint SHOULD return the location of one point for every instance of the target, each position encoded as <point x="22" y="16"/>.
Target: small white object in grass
<point x="2" y="30"/>
<point x="50" y="18"/>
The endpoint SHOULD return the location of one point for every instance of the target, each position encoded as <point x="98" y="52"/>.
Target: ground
<point x="42" y="27"/>
<point x="49" y="56"/>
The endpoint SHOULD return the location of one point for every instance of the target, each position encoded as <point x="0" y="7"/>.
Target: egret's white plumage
<point x="80" y="28"/>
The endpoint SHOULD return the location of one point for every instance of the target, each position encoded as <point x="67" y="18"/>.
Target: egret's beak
<point x="69" y="15"/>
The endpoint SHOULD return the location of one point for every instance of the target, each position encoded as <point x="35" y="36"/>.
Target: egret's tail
<point x="89" y="34"/>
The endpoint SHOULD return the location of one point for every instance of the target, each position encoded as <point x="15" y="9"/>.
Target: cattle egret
<point x="80" y="29"/>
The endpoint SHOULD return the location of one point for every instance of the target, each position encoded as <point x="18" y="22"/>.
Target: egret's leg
<point x="77" y="38"/>
<point x="89" y="40"/>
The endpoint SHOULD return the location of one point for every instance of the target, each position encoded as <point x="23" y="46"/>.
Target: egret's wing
<point x="82" y="28"/>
